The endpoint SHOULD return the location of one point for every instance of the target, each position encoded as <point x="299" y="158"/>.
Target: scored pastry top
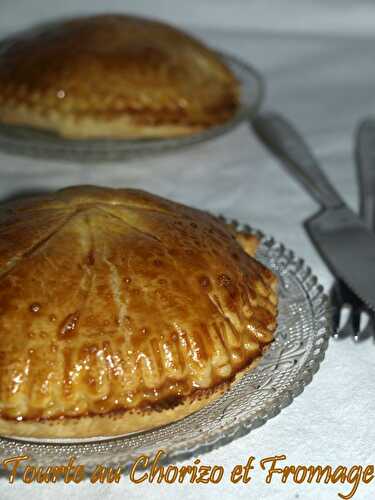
<point x="113" y="75"/>
<point x="119" y="299"/>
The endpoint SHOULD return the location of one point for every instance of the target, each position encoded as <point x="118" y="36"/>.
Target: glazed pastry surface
<point x="113" y="76"/>
<point x="122" y="304"/>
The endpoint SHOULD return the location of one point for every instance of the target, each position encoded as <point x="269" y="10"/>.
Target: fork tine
<point x="367" y="330"/>
<point x="355" y="321"/>
<point x="347" y="329"/>
<point x="372" y="324"/>
<point x="335" y="310"/>
<point x="337" y="303"/>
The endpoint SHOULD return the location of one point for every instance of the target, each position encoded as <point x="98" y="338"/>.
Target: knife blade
<point x="342" y="239"/>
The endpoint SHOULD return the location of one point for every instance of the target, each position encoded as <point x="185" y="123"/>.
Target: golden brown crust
<point x="116" y="303"/>
<point x="121" y="422"/>
<point x="113" y="76"/>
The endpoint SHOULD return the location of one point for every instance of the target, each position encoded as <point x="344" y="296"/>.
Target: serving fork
<point x="351" y="317"/>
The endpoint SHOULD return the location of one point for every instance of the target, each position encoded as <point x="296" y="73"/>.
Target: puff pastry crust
<point x="113" y="76"/>
<point x="121" y="311"/>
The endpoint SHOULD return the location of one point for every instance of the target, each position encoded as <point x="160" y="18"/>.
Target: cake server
<point x="342" y="239"/>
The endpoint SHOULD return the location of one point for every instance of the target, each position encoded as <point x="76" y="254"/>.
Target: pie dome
<point x="121" y="310"/>
<point x="113" y="76"/>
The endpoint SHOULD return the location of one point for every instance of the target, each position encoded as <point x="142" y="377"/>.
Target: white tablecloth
<point x="318" y="58"/>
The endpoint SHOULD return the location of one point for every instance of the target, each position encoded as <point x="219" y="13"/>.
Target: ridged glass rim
<point x="43" y="452"/>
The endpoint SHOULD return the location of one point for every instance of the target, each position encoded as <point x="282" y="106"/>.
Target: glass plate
<point x="304" y="328"/>
<point x="43" y="144"/>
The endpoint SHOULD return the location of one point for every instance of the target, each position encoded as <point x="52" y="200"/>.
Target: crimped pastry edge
<point x="86" y="127"/>
<point x="121" y="423"/>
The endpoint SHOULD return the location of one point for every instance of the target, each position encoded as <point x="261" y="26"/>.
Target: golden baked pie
<point x="121" y="311"/>
<point x="113" y="76"/>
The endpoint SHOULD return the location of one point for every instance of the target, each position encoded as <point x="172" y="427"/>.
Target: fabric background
<point x="318" y="60"/>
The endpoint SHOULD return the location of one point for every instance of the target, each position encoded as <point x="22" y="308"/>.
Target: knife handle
<point x="287" y="145"/>
<point x="365" y="162"/>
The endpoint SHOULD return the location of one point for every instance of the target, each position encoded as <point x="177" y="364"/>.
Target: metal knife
<point x="342" y="239"/>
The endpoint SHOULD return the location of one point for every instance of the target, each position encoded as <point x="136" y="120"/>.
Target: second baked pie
<point x="113" y="76"/>
<point x="121" y="311"/>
